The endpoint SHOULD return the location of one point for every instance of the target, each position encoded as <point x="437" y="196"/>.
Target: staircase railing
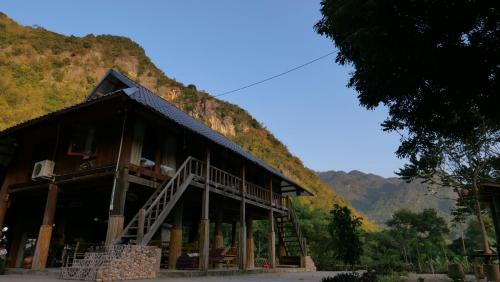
<point x="298" y="231"/>
<point x="154" y="212"/>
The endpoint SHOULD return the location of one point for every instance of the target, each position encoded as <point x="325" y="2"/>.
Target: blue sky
<point x="223" y="45"/>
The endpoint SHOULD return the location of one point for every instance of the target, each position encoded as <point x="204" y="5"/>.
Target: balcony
<point x="230" y="185"/>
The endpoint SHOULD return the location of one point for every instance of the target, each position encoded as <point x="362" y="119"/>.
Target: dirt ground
<point x="264" y="277"/>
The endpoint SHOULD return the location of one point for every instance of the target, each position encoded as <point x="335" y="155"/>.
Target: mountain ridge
<point x="379" y="197"/>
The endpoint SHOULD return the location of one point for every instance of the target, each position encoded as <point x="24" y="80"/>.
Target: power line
<point x="275" y="76"/>
<point x="266" y="79"/>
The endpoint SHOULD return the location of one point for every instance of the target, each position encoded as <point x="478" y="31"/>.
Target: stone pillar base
<point x="115" y="228"/>
<point x="307" y="263"/>
<point x="204" y="243"/>
<point x="250" y="256"/>
<point x="242" y="248"/>
<point x="175" y="247"/>
<point x="271" y="241"/>
<point x="42" y="248"/>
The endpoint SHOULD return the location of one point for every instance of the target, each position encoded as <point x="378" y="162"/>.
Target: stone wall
<point x="135" y="262"/>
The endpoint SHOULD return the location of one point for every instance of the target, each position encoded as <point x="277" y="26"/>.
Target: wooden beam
<point x="45" y="234"/>
<point x="142" y="181"/>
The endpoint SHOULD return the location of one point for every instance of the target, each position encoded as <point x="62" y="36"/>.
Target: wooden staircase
<point x="290" y="234"/>
<point x="151" y="216"/>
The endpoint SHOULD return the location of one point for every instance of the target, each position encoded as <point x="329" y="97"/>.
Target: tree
<point x="434" y="64"/>
<point x="463" y="165"/>
<point x="345" y="233"/>
<point x="420" y="236"/>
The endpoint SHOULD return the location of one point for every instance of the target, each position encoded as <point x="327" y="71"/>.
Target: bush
<point x="342" y="277"/>
<point x="369" y="276"/>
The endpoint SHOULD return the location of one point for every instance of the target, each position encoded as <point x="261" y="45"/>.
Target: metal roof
<point x="143" y="96"/>
<point x="147" y="98"/>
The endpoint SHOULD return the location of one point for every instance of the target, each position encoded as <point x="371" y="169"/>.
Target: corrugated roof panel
<point x="162" y="106"/>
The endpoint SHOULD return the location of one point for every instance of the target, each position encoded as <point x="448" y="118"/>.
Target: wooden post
<point x="495" y="214"/>
<point x="116" y="218"/>
<point x="176" y="237"/>
<point x="243" y="229"/>
<point x="205" y="221"/>
<point x="271" y="243"/>
<point x="141" y="219"/>
<point x="282" y="249"/>
<point x="218" y="237"/>
<point x="43" y="242"/>
<point x="4" y="202"/>
<point x="250" y="256"/>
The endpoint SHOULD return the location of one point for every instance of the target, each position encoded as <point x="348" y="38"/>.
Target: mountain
<point x="42" y="71"/>
<point x="378" y="197"/>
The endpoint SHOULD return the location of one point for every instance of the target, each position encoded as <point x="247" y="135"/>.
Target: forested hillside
<point x="380" y="197"/>
<point x="42" y="71"/>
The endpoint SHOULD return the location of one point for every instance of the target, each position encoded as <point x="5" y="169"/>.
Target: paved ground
<point x="264" y="277"/>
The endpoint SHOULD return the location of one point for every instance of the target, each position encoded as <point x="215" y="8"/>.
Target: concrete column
<point x="176" y="237"/>
<point x="45" y="234"/>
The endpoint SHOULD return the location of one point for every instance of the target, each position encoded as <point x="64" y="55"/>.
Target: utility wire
<point x="267" y="79"/>
<point x="275" y="76"/>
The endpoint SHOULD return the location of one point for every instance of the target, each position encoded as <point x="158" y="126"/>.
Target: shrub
<point x="342" y="277"/>
<point x="369" y="276"/>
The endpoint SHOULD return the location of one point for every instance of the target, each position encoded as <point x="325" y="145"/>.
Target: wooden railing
<point x="145" y="223"/>
<point x="280" y="201"/>
<point x="257" y="193"/>
<point x="298" y="231"/>
<point x="153" y="215"/>
<point x="222" y="179"/>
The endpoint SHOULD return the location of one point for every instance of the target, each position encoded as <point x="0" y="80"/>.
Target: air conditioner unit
<point x="43" y="170"/>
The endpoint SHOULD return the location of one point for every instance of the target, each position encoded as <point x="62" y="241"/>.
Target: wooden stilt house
<point x="127" y="167"/>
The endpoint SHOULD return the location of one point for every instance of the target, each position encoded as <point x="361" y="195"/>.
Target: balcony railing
<point x="227" y="182"/>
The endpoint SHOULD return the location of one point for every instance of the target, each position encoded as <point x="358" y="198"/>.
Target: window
<point x="82" y="142"/>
